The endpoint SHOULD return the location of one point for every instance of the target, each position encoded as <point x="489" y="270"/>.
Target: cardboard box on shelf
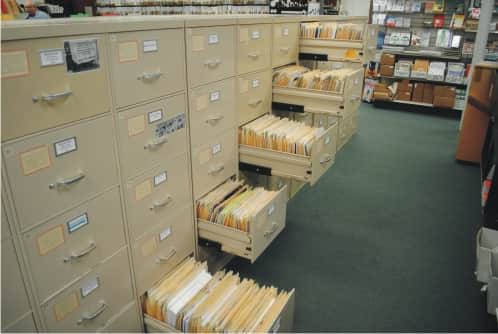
<point x="444" y="102"/>
<point x="428" y="93"/>
<point x="387" y="70"/>
<point x="444" y="96"/>
<point x="382" y="96"/>
<point x="418" y="92"/>
<point x="387" y="59"/>
<point x="404" y="96"/>
<point x="405" y="86"/>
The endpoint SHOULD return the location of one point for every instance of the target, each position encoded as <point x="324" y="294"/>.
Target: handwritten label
<point x="255" y="34"/>
<point x="150" y="46"/>
<point x="65" y="146"/>
<point x="213" y="39"/>
<point x="285" y="31"/>
<point x="214" y="96"/>
<point x="161" y="178"/>
<point x="327" y="140"/>
<point x="155" y="116"/>
<point x="215" y="149"/>
<point x="164" y="234"/>
<point x="52" y="57"/>
<point x="271" y="209"/>
<point x="255" y="83"/>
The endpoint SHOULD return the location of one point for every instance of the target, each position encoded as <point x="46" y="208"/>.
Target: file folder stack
<point x="192" y="300"/>
<point x="233" y="204"/>
<point x="332" y="30"/>
<point x="302" y="77"/>
<point x="279" y="134"/>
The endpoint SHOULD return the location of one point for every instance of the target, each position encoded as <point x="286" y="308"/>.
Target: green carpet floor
<point x="386" y="240"/>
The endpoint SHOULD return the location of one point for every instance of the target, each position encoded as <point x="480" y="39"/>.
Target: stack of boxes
<point x="387" y="62"/>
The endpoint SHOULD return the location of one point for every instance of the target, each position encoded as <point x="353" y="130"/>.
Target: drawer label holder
<point x="287" y="107"/>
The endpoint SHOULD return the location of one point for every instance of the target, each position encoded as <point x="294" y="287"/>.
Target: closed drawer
<point x="149" y="134"/>
<point x="147" y="64"/>
<point x="284" y="44"/>
<point x="14" y="298"/>
<point x="254" y="96"/>
<point x="24" y="325"/>
<point x="92" y="300"/>
<point x="264" y="227"/>
<point x="214" y="162"/>
<point x="47" y="82"/>
<point x="212" y="110"/>
<point x="162" y="248"/>
<point x="73" y="243"/>
<point x="62" y="167"/>
<point x="253" y="47"/>
<point x="157" y="194"/>
<point x="126" y="321"/>
<point x="210" y="54"/>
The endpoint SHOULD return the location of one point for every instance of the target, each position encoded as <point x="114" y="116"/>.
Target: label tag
<point x="327" y="140"/>
<point x="77" y="223"/>
<point x="164" y="234"/>
<point x="155" y="116"/>
<point x="143" y="190"/>
<point x="213" y="39"/>
<point x="285" y="31"/>
<point x="15" y="63"/>
<point x="52" y="57"/>
<point x="149" y="246"/>
<point x="136" y="125"/>
<point x="271" y="209"/>
<point x="161" y="178"/>
<point x="255" y="34"/>
<point x="89" y="287"/>
<point x="65" y="146"/>
<point x="215" y="149"/>
<point x="214" y="96"/>
<point x="255" y="83"/>
<point x="84" y="55"/>
<point x="35" y="159"/>
<point x="50" y="240"/>
<point x="66" y="306"/>
<point x="150" y="46"/>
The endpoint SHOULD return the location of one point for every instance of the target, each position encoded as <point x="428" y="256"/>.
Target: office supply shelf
<point x="443" y="83"/>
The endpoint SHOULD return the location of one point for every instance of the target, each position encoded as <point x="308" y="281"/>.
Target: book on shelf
<point x="436" y="71"/>
<point x="438" y="7"/>
<point x="457" y="21"/>
<point x="420" y="69"/>
<point x="428" y="6"/>
<point x="398" y="38"/>
<point x="443" y="38"/>
<point x="474" y="13"/>
<point x="402" y="68"/>
<point x="438" y="21"/>
<point x="455" y="41"/>
<point x="455" y="73"/>
<point x="421" y="37"/>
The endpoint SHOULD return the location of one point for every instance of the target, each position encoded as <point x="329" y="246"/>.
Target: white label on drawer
<point x="255" y="83"/>
<point x="213" y="39"/>
<point x="214" y="96"/>
<point x="255" y="34"/>
<point x="89" y="286"/>
<point x="14" y="63"/>
<point x="155" y="116"/>
<point x="164" y="234"/>
<point x="158" y="179"/>
<point x="150" y="46"/>
<point x="276" y="326"/>
<point x="215" y="149"/>
<point x="285" y="31"/>
<point x="271" y="209"/>
<point x="77" y="223"/>
<point x="327" y="140"/>
<point x="65" y="146"/>
<point x="52" y="57"/>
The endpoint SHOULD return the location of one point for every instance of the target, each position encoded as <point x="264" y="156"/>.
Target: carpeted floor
<point x="386" y="240"/>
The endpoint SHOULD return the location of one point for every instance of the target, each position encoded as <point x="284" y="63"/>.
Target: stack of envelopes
<point x="301" y="77"/>
<point x="233" y="204"/>
<point x="332" y="30"/>
<point x="279" y="134"/>
<point x="192" y="300"/>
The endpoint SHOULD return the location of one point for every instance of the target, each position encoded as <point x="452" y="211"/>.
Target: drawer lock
<point x="89" y="317"/>
<point x="272" y="230"/>
<point x="164" y="259"/>
<point x="160" y="204"/>
<point x="154" y="144"/>
<point x="52" y="97"/>
<point x="74" y="257"/>
<point x="149" y="76"/>
<point x="67" y="182"/>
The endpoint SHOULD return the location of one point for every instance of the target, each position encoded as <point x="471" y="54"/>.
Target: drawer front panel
<point x="89" y="303"/>
<point x="323" y="153"/>
<point x="24" y="325"/>
<point x="64" y="167"/>
<point x="157" y="194"/>
<point x="285" y="43"/>
<point x="162" y="248"/>
<point x="212" y="110"/>
<point x="254" y="96"/>
<point x="127" y="321"/>
<point x="147" y="64"/>
<point x="74" y="242"/>
<point x="52" y="81"/>
<point x="213" y="163"/>
<point x="151" y="133"/>
<point x="210" y="54"/>
<point x="253" y="47"/>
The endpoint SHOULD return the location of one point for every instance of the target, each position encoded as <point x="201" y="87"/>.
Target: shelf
<point x="414" y="104"/>
<point x="444" y="83"/>
<point x="179" y="5"/>
<point x="420" y="54"/>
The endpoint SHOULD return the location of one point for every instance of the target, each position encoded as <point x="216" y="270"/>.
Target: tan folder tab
<point x="143" y="190"/>
<point x="14" y="63"/>
<point x="50" y="240"/>
<point x="243" y="35"/>
<point x="149" y="246"/>
<point x="66" y="306"/>
<point x="201" y="102"/>
<point x="198" y="43"/>
<point x="243" y="85"/>
<point x="128" y="51"/>
<point x="35" y="159"/>
<point x="136" y="125"/>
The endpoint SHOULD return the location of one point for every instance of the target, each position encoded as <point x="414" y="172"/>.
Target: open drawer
<point x="332" y="49"/>
<point x="264" y="227"/>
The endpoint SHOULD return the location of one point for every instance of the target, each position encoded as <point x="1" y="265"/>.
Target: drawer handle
<point x="326" y="158"/>
<point x="213" y="63"/>
<point x="160" y="204"/>
<point x="91" y="316"/>
<point x="216" y="170"/>
<point x="164" y="259"/>
<point x="155" y="143"/>
<point x="253" y="55"/>
<point x="52" y="97"/>
<point x="271" y="231"/>
<point x="84" y="252"/>
<point x="149" y="76"/>
<point x="255" y="103"/>
<point x="214" y="119"/>
<point x="284" y="50"/>
<point x="66" y="182"/>
<point x="355" y="98"/>
<point x="372" y="48"/>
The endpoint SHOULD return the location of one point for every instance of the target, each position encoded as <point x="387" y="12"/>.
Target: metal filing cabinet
<point x="285" y="43"/>
<point x="253" y="47"/>
<point x="254" y="96"/>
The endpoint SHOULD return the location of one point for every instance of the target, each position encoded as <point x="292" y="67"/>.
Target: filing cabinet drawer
<point x="14" y="299"/>
<point x="74" y="242"/>
<point x="150" y="133"/>
<point x="155" y="195"/>
<point x="48" y="82"/>
<point x="92" y="300"/>
<point x="212" y="110"/>
<point x="253" y="47"/>
<point x="336" y="50"/>
<point x="24" y="325"/>
<point x="210" y="54"/>
<point x="147" y="64"/>
<point x="5" y="224"/>
<point x="285" y="43"/>
<point x="214" y="162"/>
<point x="264" y="227"/>
<point x="126" y="321"/>
<point x="162" y="248"/>
<point x="306" y="118"/>
<point x="63" y="167"/>
<point x="254" y="96"/>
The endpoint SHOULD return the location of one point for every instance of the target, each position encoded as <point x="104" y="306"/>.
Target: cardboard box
<point x="404" y="96"/>
<point x="418" y="92"/>
<point x="428" y="93"/>
<point x="405" y="86"/>
<point x="444" y="102"/>
<point x="382" y="96"/>
<point x="380" y="87"/>
<point x="387" y="70"/>
<point x="444" y="91"/>
<point x="387" y="59"/>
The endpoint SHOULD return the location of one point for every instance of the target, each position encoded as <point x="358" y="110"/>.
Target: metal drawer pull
<point x="155" y="143"/>
<point x="284" y="50"/>
<point x="255" y="103"/>
<point x="273" y="229"/>
<point x="164" y="259"/>
<point x="66" y="182"/>
<point x="160" y="204"/>
<point x="216" y="169"/>
<point x="355" y="98"/>
<point x="214" y="118"/>
<point x="91" y="316"/>
<point x="149" y="76"/>
<point x="52" y="97"/>
<point x="213" y="63"/>
<point x="326" y="158"/>
<point x="372" y="48"/>
<point x="84" y="252"/>
<point x="253" y="55"/>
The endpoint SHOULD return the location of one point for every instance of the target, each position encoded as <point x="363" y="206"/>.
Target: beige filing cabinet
<point x="285" y="40"/>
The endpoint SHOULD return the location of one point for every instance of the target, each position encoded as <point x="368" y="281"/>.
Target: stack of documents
<point x="192" y="300"/>
<point x="279" y="134"/>
<point x="301" y="77"/>
<point x="332" y="30"/>
<point x="234" y="204"/>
